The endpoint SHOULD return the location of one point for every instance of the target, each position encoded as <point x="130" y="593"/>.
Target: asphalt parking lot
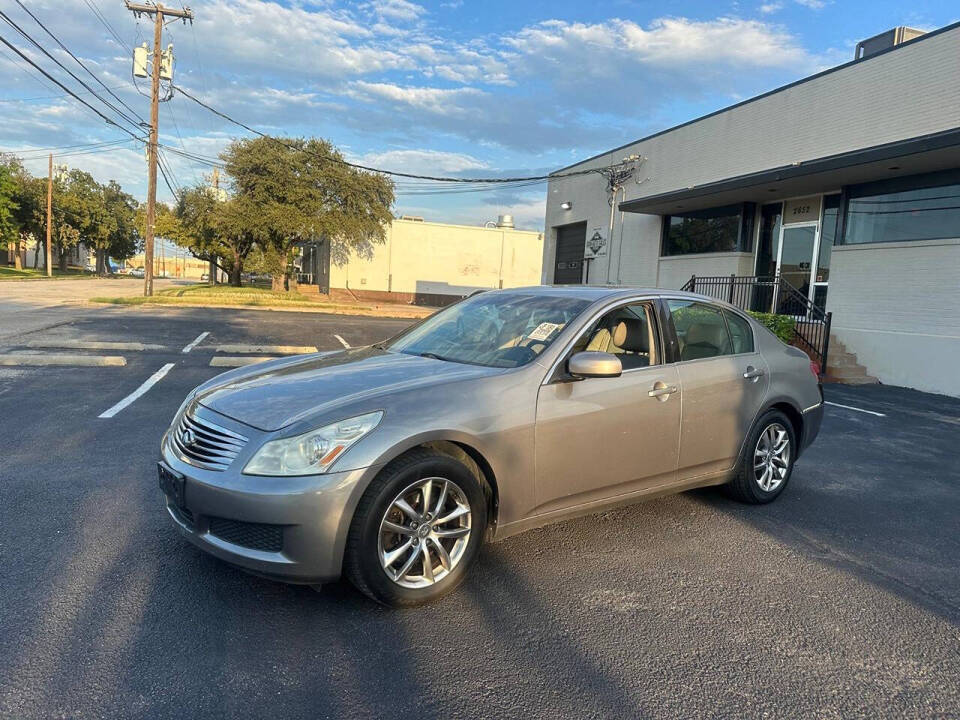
<point x="841" y="599"/>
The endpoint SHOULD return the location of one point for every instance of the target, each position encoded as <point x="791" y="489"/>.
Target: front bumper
<point x="287" y="528"/>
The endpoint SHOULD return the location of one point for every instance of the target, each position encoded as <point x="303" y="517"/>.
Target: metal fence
<point x="772" y="294"/>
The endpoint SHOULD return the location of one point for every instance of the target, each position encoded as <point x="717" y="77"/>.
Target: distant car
<point x="123" y="271"/>
<point x="504" y="412"/>
<point x="205" y="277"/>
<point x="137" y="273"/>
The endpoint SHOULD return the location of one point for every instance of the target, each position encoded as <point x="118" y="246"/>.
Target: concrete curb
<point x="39" y="360"/>
<point x="381" y="313"/>
<point x="237" y="361"/>
<point x="95" y="345"/>
<point x="260" y="349"/>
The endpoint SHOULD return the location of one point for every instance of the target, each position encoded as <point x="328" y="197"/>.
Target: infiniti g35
<point x="392" y="463"/>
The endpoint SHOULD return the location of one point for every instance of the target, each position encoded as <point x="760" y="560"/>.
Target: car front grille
<point x="204" y="444"/>
<point x="256" y="536"/>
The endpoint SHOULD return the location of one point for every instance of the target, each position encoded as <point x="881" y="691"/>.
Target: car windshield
<point x="497" y="329"/>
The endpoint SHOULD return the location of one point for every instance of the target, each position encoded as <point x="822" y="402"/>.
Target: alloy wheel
<point x="771" y="458"/>
<point x="424" y="532"/>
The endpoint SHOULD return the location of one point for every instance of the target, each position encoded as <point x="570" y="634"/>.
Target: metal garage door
<point x="569" y="259"/>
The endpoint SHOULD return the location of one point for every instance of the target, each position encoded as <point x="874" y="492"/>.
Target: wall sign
<point x="596" y="244"/>
<point x="801" y="210"/>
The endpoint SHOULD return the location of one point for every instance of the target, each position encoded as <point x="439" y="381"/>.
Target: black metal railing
<point x="772" y="294"/>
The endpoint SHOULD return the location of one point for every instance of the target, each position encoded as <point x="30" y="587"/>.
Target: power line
<point x="394" y="173"/>
<point x="107" y="25"/>
<point x="64" y="87"/>
<point x="42" y="49"/>
<point x="50" y="97"/>
<point x="45" y="150"/>
<point x="79" y="62"/>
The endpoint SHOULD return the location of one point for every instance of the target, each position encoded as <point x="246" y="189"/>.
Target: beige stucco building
<point x="430" y="263"/>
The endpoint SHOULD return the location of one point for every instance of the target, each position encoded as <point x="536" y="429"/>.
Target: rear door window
<point x="741" y="334"/>
<point x="701" y="330"/>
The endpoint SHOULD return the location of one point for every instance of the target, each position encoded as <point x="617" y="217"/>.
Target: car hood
<point x="281" y="393"/>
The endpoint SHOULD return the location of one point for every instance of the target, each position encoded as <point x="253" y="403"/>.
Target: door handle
<point x="662" y="391"/>
<point x="753" y="373"/>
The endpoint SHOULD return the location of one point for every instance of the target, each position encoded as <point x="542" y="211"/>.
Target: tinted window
<point x="741" y="335"/>
<point x="701" y="331"/>
<point x="724" y="229"/>
<point x="922" y="207"/>
<point x="496" y="329"/>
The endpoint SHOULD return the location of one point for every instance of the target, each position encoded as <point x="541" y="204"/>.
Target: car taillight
<point x="815" y="369"/>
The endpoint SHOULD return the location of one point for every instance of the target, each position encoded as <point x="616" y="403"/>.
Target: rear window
<point x="741" y="333"/>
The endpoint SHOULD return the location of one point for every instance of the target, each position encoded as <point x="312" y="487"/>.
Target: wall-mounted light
<point x="566" y="205"/>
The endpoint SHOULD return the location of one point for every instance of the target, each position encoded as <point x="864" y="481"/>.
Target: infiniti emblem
<point x="188" y="437"/>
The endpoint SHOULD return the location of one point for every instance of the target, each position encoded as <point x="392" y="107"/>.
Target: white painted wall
<point x="897" y="306"/>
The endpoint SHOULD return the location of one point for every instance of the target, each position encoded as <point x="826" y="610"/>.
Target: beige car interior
<point x="627" y="333"/>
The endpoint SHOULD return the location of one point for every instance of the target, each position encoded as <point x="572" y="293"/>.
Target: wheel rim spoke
<point x="442" y="499"/>
<point x="452" y="533"/>
<point x="417" y="549"/>
<point x="391" y="557"/>
<point x="407" y="510"/>
<point x="398" y="529"/>
<point x="442" y="552"/>
<point x="459" y="512"/>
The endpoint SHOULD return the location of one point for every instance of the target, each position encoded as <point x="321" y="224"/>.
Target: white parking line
<point x="343" y="342"/>
<point x="197" y="341"/>
<point x="149" y="383"/>
<point x="855" y="409"/>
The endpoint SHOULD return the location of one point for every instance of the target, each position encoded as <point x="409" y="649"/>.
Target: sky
<point x="466" y="88"/>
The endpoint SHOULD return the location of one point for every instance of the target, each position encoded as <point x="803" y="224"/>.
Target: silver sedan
<point x="391" y="464"/>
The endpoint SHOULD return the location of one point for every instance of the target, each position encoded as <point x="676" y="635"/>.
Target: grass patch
<point x="11" y="273"/>
<point x="206" y="295"/>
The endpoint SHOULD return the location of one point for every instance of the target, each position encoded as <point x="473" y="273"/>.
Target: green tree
<point x="79" y="213"/>
<point x="9" y="206"/>
<point x="115" y="234"/>
<point x="292" y="190"/>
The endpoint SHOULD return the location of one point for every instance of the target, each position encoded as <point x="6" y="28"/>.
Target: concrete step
<point x="862" y="380"/>
<point x="842" y="359"/>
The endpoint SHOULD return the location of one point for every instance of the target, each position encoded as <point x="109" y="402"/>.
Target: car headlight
<point x="313" y="452"/>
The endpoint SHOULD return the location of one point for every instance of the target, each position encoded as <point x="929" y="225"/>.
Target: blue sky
<point x="455" y="87"/>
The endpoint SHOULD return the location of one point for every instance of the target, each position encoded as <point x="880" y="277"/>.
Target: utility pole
<point x="49" y="219"/>
<point x="158" y="12"/>
<point x="212" y="272"/>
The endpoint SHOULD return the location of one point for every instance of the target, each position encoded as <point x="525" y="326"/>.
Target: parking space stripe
<point x="238" y="361"/>
<point x="94" y="345"/>
<point x="199" y="339"/>
<point x="129" y="399"/>
<point x="275" y="349"/>
<point x="855" y="409"/>
<point x="42" y="359"/>
<point x="343" y="342"/>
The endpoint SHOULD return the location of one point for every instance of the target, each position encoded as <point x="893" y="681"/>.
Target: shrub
<point x="780" y="325"/>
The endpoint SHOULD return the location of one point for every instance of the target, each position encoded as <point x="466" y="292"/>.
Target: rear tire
<point x="417" y="530"/>
<point x="767" y="462"/>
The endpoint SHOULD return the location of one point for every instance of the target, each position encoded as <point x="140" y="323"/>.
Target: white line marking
<point x="149" y="383"/>
<point x="855" y="409"/>
<point x="238" y="361"/>
<point x="343" y="342"/>
<point x="23" y="359"/>
<point x="197" y="341"/>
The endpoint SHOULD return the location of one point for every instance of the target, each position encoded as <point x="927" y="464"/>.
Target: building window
<point x="921" y="207"/>
<point x="723" y="229"/>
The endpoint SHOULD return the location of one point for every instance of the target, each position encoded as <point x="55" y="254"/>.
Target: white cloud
<point x="398" y="9"/>
<point x="812" y="4"/>
<point x="771" y="7"/>
<point x="420" y="162"/>
<point x="437" y="101"/>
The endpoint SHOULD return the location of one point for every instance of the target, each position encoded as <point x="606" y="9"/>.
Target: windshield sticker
<point x="544" y="330"/>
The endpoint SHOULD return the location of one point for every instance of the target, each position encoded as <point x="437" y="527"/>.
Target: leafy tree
<point x="297" y="190"/>
<point x="115" y="233"/>
<point x="79" y="213"/>
<point x="9" y="206"/>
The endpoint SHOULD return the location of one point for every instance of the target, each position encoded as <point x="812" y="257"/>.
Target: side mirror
<point x="594" y="365"/>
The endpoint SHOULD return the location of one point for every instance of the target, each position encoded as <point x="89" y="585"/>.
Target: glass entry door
<point x="796" y="263"/>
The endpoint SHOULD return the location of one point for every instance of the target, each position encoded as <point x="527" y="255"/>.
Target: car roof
<point x="592" y="293"/>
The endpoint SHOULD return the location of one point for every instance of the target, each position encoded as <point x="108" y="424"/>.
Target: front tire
<point x="417" y="530"/>
<point x="767" y="462"/>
